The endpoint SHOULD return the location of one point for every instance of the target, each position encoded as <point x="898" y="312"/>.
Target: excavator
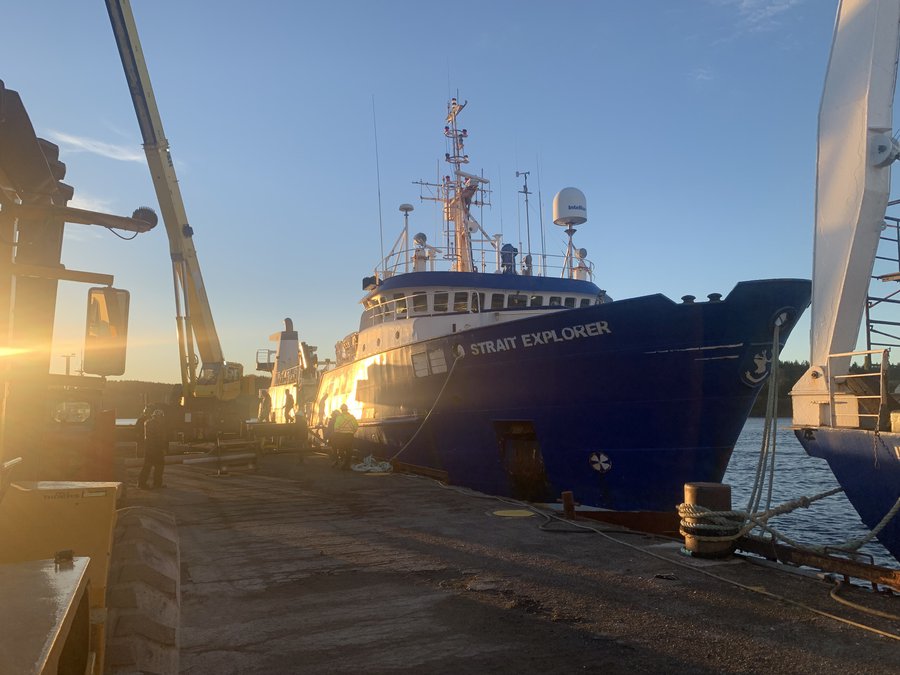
<point x="217" y="397"/>
<point x="88" y="587"/>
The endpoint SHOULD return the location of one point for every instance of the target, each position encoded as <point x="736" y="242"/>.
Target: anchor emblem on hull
<point x="600" y="462"/>
<point x="760" y="369"/>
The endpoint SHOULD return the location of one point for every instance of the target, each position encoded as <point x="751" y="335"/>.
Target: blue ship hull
<point x="868" y="468"/>
<point x="621" y="403"/>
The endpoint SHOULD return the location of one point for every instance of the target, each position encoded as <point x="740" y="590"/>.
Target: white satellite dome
<point x="569" y="207"/>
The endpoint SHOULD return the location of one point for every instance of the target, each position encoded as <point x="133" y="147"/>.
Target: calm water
<point x="829" y="521"/>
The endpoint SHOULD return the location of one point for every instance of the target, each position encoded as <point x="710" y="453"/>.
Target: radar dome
<point x="569" y="207"/>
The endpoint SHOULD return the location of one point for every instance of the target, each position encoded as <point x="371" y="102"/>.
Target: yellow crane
<point x="198" y="341"/>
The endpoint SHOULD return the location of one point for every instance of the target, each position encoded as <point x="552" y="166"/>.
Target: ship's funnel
<point x="288" y="353"/>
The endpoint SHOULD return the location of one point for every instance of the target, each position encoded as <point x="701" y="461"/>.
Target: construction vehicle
<point x="216" y="398"/>
<point x="87" y="587"/>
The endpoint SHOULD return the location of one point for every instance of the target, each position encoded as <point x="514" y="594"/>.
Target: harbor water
<point x="830" y="521"/>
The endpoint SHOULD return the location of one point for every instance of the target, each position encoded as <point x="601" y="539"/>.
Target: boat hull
<point x="867" y="466"/>
<point x="621" y="403"/>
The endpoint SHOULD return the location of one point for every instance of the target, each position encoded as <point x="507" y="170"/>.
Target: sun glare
<point x="6" y="352"/>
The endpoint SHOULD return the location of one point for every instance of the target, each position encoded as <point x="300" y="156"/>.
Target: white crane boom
<point x="853" y="179"/>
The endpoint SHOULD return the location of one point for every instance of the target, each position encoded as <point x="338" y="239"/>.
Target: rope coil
<point x="372" y="465"/>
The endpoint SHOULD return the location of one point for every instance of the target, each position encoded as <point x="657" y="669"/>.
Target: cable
<point x="122" y="237"/>
<point x="868" y="610"/>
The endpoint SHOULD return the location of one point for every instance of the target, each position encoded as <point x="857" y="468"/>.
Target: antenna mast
<point x="525" y="192"/>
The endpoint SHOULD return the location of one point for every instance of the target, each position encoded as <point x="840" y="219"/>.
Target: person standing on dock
<point x="288" y="408"/>
<point x="329" y="429"/>
<point x="345" y="426"/>
<point x="155" y="443"/>
<point x="265" y="406"/>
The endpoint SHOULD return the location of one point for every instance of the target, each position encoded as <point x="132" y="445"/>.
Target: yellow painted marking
<point x="514" y="513"/>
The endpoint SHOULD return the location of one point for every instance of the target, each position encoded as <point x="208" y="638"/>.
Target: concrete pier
<point x="302" y="568"/>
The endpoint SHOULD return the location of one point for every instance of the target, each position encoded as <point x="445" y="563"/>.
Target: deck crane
<point x="218" y="380"/>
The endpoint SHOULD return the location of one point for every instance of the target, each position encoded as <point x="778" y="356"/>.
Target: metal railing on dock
<point x="868" y="389"/>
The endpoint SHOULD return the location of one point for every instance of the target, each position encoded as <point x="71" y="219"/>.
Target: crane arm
<point x="852" y="182"/>
<point x="194" y="317"/>
<point x="853" y="179"/>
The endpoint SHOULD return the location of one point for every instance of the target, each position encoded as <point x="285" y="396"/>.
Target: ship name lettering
<point x="544" y="337"/>
<point x="565" y="334"/>
<point x="494" y="346"/>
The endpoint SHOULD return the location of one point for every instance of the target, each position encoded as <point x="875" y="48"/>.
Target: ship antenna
<point x="525" y="192"/>
<point x="541" y="217"/>
<point x="378" y="181"/>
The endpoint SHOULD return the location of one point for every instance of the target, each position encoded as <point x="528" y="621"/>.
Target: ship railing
<point x="867" y="389"/>
<point x="265" y="360"/>
<point x="488" y="261"/>
<point x="419" y="304"/>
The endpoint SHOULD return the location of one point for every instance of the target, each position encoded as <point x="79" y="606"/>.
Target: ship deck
<point x="299" y="567"/>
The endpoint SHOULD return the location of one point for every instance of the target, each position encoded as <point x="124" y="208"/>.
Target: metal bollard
<point x="698" y="540"/>
<point x="568" y="500"/>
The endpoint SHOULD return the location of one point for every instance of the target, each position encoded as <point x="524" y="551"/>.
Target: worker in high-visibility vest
<point x="345" y="426"/>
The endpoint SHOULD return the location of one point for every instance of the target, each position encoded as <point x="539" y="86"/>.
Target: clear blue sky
<point x="690" y="126"/>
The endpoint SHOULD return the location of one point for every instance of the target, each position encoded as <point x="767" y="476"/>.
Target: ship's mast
<point x="460" y="190"/>
<point x="458" y="193"/>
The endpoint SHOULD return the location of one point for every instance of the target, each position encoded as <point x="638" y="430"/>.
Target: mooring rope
<point x="431" y="410"/>
<point x="707" y="525"/>
<point x="770" y="429"/>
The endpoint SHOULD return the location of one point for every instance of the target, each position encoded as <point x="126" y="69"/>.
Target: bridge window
<point x="440" y="301"/>
<point x="461" y="301"/>
<point x="555" y="301"/>
<point x="536" y="301"/>
<point x="497" y="300"/>
<point x="419" y="302"/>
<point x="570" y="302"/>
<point x="400" y="305"/>
<point x="585" y="302"/>
<point x="517" y="300"/>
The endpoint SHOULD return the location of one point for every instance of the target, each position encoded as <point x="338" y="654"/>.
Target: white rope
<point x="372" y="465"/>
<point x="770" y="430"/>
<point x="733" y="525"/>
<point x="431" y="410"/>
